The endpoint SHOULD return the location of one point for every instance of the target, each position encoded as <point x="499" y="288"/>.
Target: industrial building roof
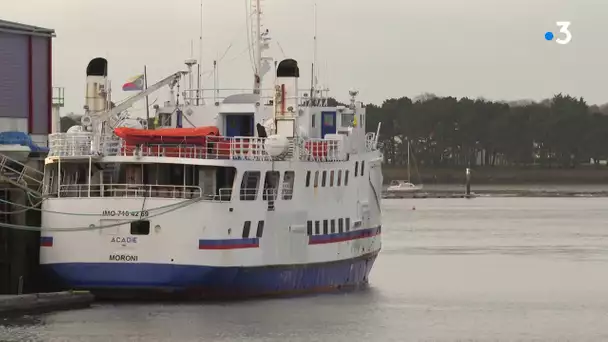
<point x="12" y="27"/>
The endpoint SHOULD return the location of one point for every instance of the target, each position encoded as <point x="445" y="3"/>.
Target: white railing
<point x="70" y="144"/>
<point x="79" y="144"/>
<point x="236" y="148"/>
<point x="224" y="195"/>
<point x="194" y="96"/>
<point x="228" y="148"/>
<point x="128" y="190"/>
<point x="322" y="150"/>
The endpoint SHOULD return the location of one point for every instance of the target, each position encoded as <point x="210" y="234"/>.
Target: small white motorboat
<point x="401" y="186"/>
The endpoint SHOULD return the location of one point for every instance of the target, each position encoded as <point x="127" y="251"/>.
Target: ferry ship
<point x="233" y="194"/>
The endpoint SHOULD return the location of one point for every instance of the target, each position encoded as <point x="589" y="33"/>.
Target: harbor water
<point x="483" y="269"/>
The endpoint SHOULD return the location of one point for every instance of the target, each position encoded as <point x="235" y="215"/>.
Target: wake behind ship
<point x="264" y="192"/>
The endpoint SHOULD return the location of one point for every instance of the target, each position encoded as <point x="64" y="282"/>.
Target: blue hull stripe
<point x="229" y="243"/>
<point x="346" y="236"/>
<point x="209" y="281"/>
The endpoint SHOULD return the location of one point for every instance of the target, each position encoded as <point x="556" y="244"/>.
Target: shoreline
<point x="583" y="175"/>
<point x="486" y="193"/>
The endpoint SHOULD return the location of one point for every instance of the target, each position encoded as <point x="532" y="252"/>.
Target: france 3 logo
<point x="565" y="32"/>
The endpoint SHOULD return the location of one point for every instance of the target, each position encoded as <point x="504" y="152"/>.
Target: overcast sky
<point x="385" y="48"/>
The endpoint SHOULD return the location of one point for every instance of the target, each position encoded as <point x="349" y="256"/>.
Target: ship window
<point x="309" y="228"/>
<point x="249" y="185"/>
<point x="356" y="169"/>
<point x="333" y="226"/>
<point x="347" y="120"/>
<point x="346" y="177"/>
<point x="323" y="182"/>
<point x="316" y="179"/>
<point x="246" y="229"/>
<point x="340" y="225"/>
<point x="362" y="167"/>
<point x="271" y="184"/>
<point x="339" y="178"/>
<point x="288" y="180"/>
<point x="325" y="227"/>
<point x="317" y="228"/>
<point x="140" y="228"/>
<point x="331" y="178"/>
<point x="313" y="120"/>
<point x="260" y="231"/>
<point x="347" y="224"/>
<point x="307" y="179"/>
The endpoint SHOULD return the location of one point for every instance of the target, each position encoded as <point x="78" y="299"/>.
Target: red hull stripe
<point x="342" y="237"/>
<point x="229" y="243"/>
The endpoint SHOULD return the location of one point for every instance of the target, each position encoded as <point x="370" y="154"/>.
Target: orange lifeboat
<point x="191" y="136"/>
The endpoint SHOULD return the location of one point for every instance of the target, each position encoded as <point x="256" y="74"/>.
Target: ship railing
<point x="228" y="148"/>
<point x="252" y="194"/>
<point x="70" y="144"/>
<point x="322" y="150"/>
<point x="110" y="145"/>
<point x="287" y="192"/>
<point x="266" y="96"/>
<point x="79" y="144"/>
<point x="231" y="148"/>
<point x="269" y="194"/>
<point x="128" y="190"/>
<point x="223" y="195"/>
<point x="248" y="194"/>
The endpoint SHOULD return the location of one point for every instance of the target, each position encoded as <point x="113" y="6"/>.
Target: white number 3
<point x="564" y="29"/>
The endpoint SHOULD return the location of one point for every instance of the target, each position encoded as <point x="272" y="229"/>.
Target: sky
<point x="493" y="49"/>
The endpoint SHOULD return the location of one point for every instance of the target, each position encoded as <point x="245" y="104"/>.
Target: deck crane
<point x="103" y="123"/>
<point x="112" y="116"/>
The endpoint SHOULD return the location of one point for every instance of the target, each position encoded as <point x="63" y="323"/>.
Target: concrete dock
<point x="37" y="303"/>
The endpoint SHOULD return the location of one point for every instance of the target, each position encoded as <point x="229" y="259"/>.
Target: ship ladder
<point x="20" y="175"/>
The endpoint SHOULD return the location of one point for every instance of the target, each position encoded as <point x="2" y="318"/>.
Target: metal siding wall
<point x="13" y="76"/>
<point x="40" y="85"/>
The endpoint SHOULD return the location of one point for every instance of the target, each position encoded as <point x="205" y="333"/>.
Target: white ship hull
<point x="200" y="249"/>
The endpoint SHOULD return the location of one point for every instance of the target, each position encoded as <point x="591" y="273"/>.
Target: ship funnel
<point x="97" y="85"/>
<point x="287" y="87"/>
<point x="286" y="97"/>
<point x="288" y="68"/>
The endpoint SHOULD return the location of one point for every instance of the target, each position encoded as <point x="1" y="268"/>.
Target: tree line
<point x="448" y="132"/>
<point x="563" y="131"/>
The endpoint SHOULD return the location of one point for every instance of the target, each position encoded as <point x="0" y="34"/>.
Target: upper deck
<point x="279" y="124"/>
<point x="336" y="148"/>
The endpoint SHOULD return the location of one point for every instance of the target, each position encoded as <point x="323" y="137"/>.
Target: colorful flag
<point x="134" y="84"/>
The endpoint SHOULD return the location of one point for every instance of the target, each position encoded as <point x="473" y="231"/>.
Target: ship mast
<point x="257" y="36"/>
<point x="314" y="71"/>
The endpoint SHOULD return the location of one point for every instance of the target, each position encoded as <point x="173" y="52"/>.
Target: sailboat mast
<point x="408" y="161"/>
